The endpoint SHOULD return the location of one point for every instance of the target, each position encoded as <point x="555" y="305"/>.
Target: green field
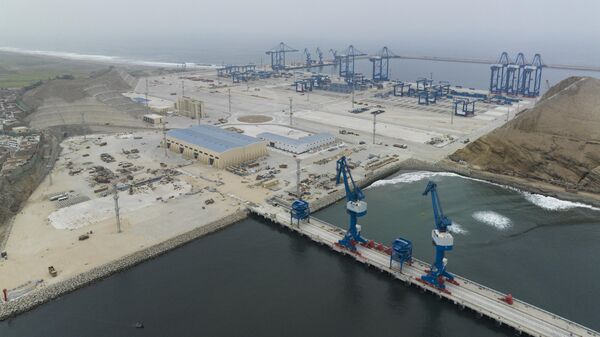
<point x="18" y="70"/>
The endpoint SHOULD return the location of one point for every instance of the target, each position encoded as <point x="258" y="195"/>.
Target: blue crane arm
<point x="353" y="193"/>
<point x="441" y="221"/>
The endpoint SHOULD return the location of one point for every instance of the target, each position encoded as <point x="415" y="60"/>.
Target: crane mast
<point x="443" y="241"/>
<point x="355" y="206"/>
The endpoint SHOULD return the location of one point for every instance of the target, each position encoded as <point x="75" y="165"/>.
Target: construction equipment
<point x="443" y="241"/>
<point x="355" y="206"/>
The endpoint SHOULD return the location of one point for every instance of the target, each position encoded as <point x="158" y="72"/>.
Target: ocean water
<point x="257" y="279"/>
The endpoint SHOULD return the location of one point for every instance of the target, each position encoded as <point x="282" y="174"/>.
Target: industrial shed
<point x="214" y="146"/>
<point x="297" y="146"/>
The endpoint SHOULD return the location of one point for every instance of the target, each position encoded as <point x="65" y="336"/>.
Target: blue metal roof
<point x="292" y="141"/>
<point x="212" y="138"/>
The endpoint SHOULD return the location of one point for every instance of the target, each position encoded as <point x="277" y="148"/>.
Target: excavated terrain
<point x="556" y="142"/>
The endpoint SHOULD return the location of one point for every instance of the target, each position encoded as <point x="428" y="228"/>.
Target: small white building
<point x="153" y="119"/>
<point x="297" y="146"/>
<point x="20" y="129"/>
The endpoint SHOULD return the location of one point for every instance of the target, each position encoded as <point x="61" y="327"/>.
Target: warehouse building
<point x="190" y="107"/>
<point x="214" y="146"/>
<point x="297" y="146"/>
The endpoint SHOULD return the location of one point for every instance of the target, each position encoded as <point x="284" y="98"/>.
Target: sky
<point x="569" y="31"/>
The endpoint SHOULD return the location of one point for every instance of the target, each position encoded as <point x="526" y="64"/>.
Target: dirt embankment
<point x="16" y="188"/>
<point x="557" y="142"/>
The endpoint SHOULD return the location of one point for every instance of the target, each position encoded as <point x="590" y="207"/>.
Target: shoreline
<point x="45" y="294"/>
<point x="105" y="59"/>
<point x="516" y="182"/>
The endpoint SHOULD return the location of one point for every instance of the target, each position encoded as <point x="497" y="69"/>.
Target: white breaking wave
<point x="411" y="177"/>
<point x="542" y="201"/>
<point x="104" y="58"/>
<point x="493" y="219"/>
<point x="457" y="228"/>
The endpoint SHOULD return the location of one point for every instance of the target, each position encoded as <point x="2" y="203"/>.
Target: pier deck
<point x="521" y="316"/>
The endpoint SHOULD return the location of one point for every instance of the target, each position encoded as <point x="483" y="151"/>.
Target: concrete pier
<point x="523" y="317"/>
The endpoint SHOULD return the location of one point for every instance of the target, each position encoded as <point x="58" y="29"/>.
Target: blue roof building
<point x="215" y="146"/>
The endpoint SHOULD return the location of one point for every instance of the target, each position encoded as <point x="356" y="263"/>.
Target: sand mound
<point x="558" y="141"/>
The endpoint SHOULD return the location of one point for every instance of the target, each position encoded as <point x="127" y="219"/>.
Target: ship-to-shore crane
<point x="355" y="206"/>
<point x="443" y="241"/>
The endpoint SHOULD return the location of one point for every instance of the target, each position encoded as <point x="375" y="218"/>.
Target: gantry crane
<point x="443" y="241"/>
<point x="278" y="55"/>
<point x="381" y="65"/>
<point x="355" y="206"/>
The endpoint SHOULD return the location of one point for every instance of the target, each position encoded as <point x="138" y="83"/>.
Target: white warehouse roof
<point x="299" y="145"/>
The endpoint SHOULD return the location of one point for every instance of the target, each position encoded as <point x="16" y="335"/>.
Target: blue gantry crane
<point x="355" y="206"/>
<point x="514" y="76"/>
<point x="381" y="65"/>
<point x="347" y="63"/>
<point x="498" y="74"/>
<point x="443" y="241"/>
<point x="278" y="56"/>
<point x="532" y="77"/>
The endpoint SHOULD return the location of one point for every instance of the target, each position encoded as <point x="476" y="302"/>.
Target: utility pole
<point x="374" y="124"/>
<point x="229" y="93"/>
<point x="116" y="197"/>
<point x="298" y="193"/>
<point x="352" y="95"/>
<point x="291" y="112"/>
<point x="83" y="125"/>
<point x="147" y="105"/>
<point x="49" y="167"/>
<point x="164" y="132"/>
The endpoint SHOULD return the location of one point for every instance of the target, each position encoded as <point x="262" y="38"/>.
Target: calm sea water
<point x="256" y="279"/>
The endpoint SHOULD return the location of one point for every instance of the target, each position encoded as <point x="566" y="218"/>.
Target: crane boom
<point x="441" y="221"/>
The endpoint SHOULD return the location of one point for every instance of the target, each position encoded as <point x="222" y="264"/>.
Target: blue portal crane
<point x="307" y="58"/>
<point x="442" y="240"/>
<point x="319" y="55"/>
<point x="381" y="65"/>
<point x="278" y="56"/>
<point x="336" y="59"/>
<point x="355" y="206"/>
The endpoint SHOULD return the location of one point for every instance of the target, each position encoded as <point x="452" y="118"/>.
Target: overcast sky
<point x="458" y="27"/>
